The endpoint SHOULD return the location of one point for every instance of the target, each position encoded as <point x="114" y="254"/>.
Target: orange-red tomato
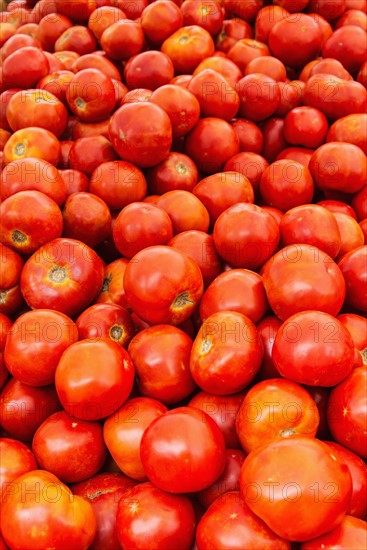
<point x="16" y="460"/>
<point x="187" y="47"/>
<point x="32" y="142"/>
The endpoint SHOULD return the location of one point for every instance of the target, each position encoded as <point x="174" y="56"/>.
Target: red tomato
<point x="16" y="460"/>
<point x="267" y="330"/>
<point x="124" y="429"/>
<point x="259" y="96"/>
<point x="338" y="206"/>
<point x="249" y="134"/>
<point x="357" y="326"/>
<point x="245" y="50"/>
<point x="276" y="485"/>
<point x="265" y="20"/>
<point x="302" y="277"/>
<point x="50" y="28"/>
<point x="161" y="357"/>
<point x="64" y="275"/>
<point x="226" y="354"/>
<point x="305" y="126"/>
<point x="233" y="29"/>
<point x="149" y="69"/>
<point x="318" y="339"/>
<point x="56" y="83"/>
<point x="102" y="18"/>
<point x="85" y="388"/>
<point x="88" y="153"/>
<point x="275" y="408"/>
<point x="351" y="234"/>
<point x="311" y="224"/>
<point x="163" y="285"/>
<point x="106" y="321"/>
<point x="246" y="236"/>
<point x="91" y="95"/>
<point x="185" y="210"/>
<point x="228" y="291"/>
<point x="160" y="20"/>
<point x="222" y="65"/>
<point x="267" y="65"/>
<point x="351" y="129"/>
<point x="112" y="291"/>
<point x="176" y="171"/>
<point x="286" y="184"/>
<point x="103" y="492"/>
<point x="353" y="267"/>
<point x="23" y="408"/>
<point x="75" y="181"/>
<point x="132" y="121"/>
<point x="77" y="39"/>
<point x="60" y="437"/>
<point x="123" y="39"/>
<point x="77" y="10"/>
<point x="291" y="96"/>
<point x="250" y="165"/>
<point x="181" y="106"/>
<point x="348" y="44"/>
<point x="70" y="520"/>
<point x="189" y="463"/>
<point x="24" y="68"/>
<point x="32" y="142"/>
<point x="147" y="516"/>
<point x="187" y="47"/>
<point x="209" y="15"/>
<point x="273" y="135"/>
<point x="229" y="524"/>
<point x="359" y="203"/>
<point x="35" y="344"/>
<point x="351" y="532"/>
<point x="346" y="412"/>
<point x="28" y="220"/>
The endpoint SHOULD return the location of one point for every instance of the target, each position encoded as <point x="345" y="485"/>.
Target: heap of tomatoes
<point x="183" y="275"/>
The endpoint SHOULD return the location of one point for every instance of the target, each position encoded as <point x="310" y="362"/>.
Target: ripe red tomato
<point x="351" y="233"/>
<point x="276" y="485"/>
<point x="267" y="330"/>
<point x="250" y="165"/>
<point x="151" y="69"/>
<point x="56" y="83"/>
<point x="32" y="142"/>
<point x="245" y="50"/>
<point x="50" y="27"/>
<point x="163" y="285"/>
<point x="187" y="47"/>
<point x="222" y="65"/>
<point x="112" y="291"/>
<point x="91" y="95"/>
<point x="160" y="20"/>
<point x="189" y="463"/>
<point x="16" y="460"/>
<point x="350" y="532"/>
<point x="87" y="218"/>
<point x="302" y="277"/>
<point x="275" y="408"/>
<point x="226" y="354"/>
<point x="105" y="320"/>
<point x="230" y="514"/>
<point x="77" y="39"/>
<point x="259" y="96"/>
<point x="348" y="45"/>
<point x="70" y="519"/>
<point x="185" y="210"/>
<point x="24" y="68"/>
<point x="176" y="171"/>
<point x="351" y="129"/>
<point x="353" y="268"/>
<point x="102" y="18"/>
<point x="147" y="516"/>
<point x="357" y="326"/>
<point x="305" y="126"/>
<point x="122" y="39"/>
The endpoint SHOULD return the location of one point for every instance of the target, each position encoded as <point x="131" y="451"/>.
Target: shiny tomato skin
<point x="230" y="514"/>
<point x="285" y="184"/>
<point x="148" y="517"/>
<point x="112" y="291"/>
<point x="11" y="264"/>
<point x="56" y="83"/>
<point x="358" y="470"/>
<point x="305" y="126"/>
<point x="26" y="230"/>
<point x="50" y="28"/>
<point x="187" y="47"/>
<point x="189" y="461"/>
<point x="36" y="343"/>
<point x="123" y="39"/>
<point x="104" y="491"/>
<point x="259" y="96"/>
<point x="273" y="135"/>
<point x="32" y="142"/>
<point x="185" y="210"/>
<point x="209" y="15"/>
<point x="181" y="106"/>
<point x="313" y="338"/>
<point x="251" y="165"/>
<point x="88" y="153"/>
<point x="159" y="20"/>
<point x="275" y="408"/>
<point x="150" y="69"/>
<point x="75" y="181"/>
<point x="359" y="204"/>
<point x="351" y="233"/>
<point x="143" y="279"/>
<point x="161" y="357"/>
<point x="71" y="521"/>
<point x="61" y="437"/>
<point x="245" y="50"/>
<point x="91" y="95"/>
<point x="311" y="224"/>
<point x="267" y="329"/>
<point x="353" y="268"/>
<point x="351" y="128"/>
<point x="357" y="326"/>
<point x="24" y="68"/>
<point x="176" y="171"/>
<point x="265" y="20"/>
<point x="350" y="533"/>
<point x="211" y="143"/>
<point x="16" y="460"/>
<point x="348" y="45"/>
<point x="124" y="429"/>
<point x="23" y="408"/>
<point x="249" y="134"/>
<point x="335" y="206"/>
<point x="77" y="39"/>
<point x="293" y="489"/>
<point x="346" y="412"/>
<point x="64" y="275"/>
<point x="222" y="65"/>
<point x="86" y="388"/>
<point x="106" y="321"/>
<point x="325" y="288"/>
<point x="226" y="354"/>
<point x="102" y="18"/>
<point x="101" y="63"/>
<point x="291" y="94"/>
<point x="234" y="236"/>
<point x="132" y="121"/>
<point x="227" y="293"/>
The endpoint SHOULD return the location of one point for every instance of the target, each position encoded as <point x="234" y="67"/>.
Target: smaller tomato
<point x="88" y="153"/>
<point x="351" y="129"/>
<point x="181" y="106"/>
<point x="122" y="39"/>
<point x="249" y="134"/>
<point x="16" y="460"/>
<point x="185" y="210"/>
<point x="245" y="50"/>
<point x="250" y="165"/>
<point x="86" y="218"/>
<point x="150" y="69"/>
<point x="106" y="321"/>
<point x="77" y="39"/>
<point x="351" y="234"/>
<point x="102" y="18"/>
<point x="353" y="267"/>
<point x="160" y="20"/>
<point x="233" y="29"/>
<point x="187" y="47"/>
<point x="259" y="96"/>
<point x="24" y="67"/>
<point x="305" y="126"/>
<point x="50" y="28"/>
<point x="176" y="171"/>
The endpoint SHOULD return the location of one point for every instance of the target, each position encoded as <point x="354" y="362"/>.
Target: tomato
<point x="56" y="83"/>
<point x="259" y="96"/>
<point x="226" y="354"/>
<point x="328" y="66"/>
<point x="77" y="39"/>
<point x="348" y="45"/>
<point x="353" y="268"/>
<point x="286" y="184"/>
<point x="209" y="15"/>
<point x="358" y="470"/>
<point x="70" y="519"/>
<point x="161" y="357"/>
<point x="16" y="460"/>
<point x="351" y="129"/>
<point x="302" y="277"/>
<point x="67" y="59"/>
<point x="233" y="29"/>
<point x="246" y="236"/>
<point x="190" y="461"/>
<point x="103" y="492"/>
<point x="312" y="224"/>
<point x="59" y="437"/>
<point x="64" y="275"/>
<point x="85" y="388"/>
<point x="313" y="338"/>
<point x="335" y="206"/>
<point x="351" y="532"/>
<point x="273" y="136"/>
<point x="160" y="20"/>
<point x="32" y="142"/>
<point x="185" y="211"/>
<point x="230" y="514"/>
<point x="347" y="412"/>
<point x="265" y="20"/>
<point x="122" y="39"/>
<point x="77" y="10"/>
<point x="88" y="153"/>
<point x="102" y="18"/>
<point x="75" y="181"/>
<point x="112" y="291"/>
<point x="145" y="275"/>
<point x="91" y="95"/>
<point x="222" y="65"/>
<point x="267" y="330"/>
<point x="275" y="408"/>
<point x="187" y="47"/>
<point x="133" y="120"/>
<point x="227" y="292"/>
<point x="245" y="50"/>
<point x="10" y="267"/>
<point x="273" y="490"/>
<point x="305" y="126"/>
<point x="136" y="96"/>
<point x="151" y="69"/>
<point x="50" y="28"/>
<point x="148" y="516"/>
<point x="357" y="326"/>
<point x="359" y="203"/>
<point x="106" y="321"/>
<point x="176" y="171"/>
<point x="124" y="429"/>
<point x="24" y="67"/>
<point x="250" y="165"/>
<point x="26" y="230"/>
<point x="351" y="234"/>
<point x="23" y="408"/>
<point x="249" y="134"/>
<point x="291" y="96"/>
